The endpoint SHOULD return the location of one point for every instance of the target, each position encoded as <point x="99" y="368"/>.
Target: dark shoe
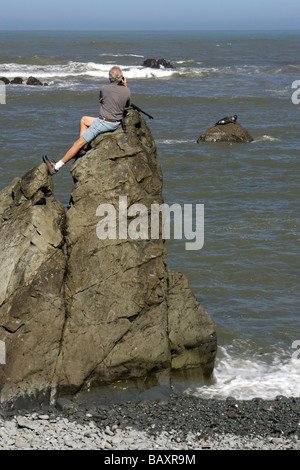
<point x="50" y="164"/>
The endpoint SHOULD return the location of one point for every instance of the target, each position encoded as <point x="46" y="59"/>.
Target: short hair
<point x="115" y="74"/>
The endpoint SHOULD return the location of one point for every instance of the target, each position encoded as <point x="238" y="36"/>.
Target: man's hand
<point x="124" y="81"/>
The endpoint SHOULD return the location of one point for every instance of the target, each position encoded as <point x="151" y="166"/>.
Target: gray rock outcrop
<point x="33" y="81"/>
<point x="32" y="269"/>
<point x="78" y="311"/>
<point x="19" y="81"/>
<point x="157" y="63"/>
<point x="226" y="133"/>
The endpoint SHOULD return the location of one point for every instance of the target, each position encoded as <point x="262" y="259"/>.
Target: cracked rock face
<point x="78" y="310"/>
<point x="31" y="276"/>
<point x="117" y="300"/>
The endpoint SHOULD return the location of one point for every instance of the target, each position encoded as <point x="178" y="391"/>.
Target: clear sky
<point x="149" y="14"/>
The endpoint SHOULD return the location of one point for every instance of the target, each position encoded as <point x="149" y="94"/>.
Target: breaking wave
<point x="188" y="68"/>
<point x="248" y="378"/>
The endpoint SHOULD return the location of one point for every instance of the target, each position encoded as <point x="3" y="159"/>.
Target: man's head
<point x="115" y="74"/>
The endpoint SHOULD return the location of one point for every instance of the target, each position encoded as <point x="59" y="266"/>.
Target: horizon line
<point x="146" y="30"/>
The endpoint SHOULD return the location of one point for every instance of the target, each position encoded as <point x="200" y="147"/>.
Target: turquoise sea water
<point x="247" y="273"/>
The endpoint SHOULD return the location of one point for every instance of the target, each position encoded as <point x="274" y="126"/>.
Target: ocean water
<point x="247" y="273"/>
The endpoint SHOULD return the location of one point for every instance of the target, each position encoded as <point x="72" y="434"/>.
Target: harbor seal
<point x="226" y="120"/>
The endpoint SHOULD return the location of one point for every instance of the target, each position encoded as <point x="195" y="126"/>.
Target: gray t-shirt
<point x="113" y="99"/>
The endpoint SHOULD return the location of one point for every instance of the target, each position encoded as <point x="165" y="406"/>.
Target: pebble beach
<point x="177" y="424"/>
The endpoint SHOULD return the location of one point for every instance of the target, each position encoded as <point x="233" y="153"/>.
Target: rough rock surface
<point x="226" y="133"/>
<point x="77" y="311"/>
<point x="117" y="299"/>
<point x="31" y="276"/>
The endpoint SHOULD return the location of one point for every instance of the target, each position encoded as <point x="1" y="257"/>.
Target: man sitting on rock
<point x="113" y="100"/>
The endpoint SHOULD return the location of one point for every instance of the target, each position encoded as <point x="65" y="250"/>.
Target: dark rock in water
<point x="4" y="80"/>
<point x="17" y="81"/>
<point x="77" y="310"/>
<point x="157" y="63"/>
<point x="232" y="132"/>
<point x="33" y="81"/>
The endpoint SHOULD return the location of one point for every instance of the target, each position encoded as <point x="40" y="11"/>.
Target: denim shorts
<point x="99" y="126"/>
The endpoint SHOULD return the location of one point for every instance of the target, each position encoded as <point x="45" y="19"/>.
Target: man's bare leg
<point x="78" y="144"/>
<point x="85" y="123"/>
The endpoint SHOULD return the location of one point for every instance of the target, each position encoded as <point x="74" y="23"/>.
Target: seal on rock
<point x="226" y="120"/>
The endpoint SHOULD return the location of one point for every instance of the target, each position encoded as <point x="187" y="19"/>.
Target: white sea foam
<point x="245" y="379"/>
<point x="108" y="54"/>
<point x="78" y="69"/>
<point x="266" y="138"/>
<point x="57" y="72"/>
<point x="174" y="141"/>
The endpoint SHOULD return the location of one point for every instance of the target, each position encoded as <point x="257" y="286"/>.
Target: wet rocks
<point x="17" y="81"/>
<point x="31" y="81"/>
<point x="34" y="81"/>
<point x="157" y="63"/>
